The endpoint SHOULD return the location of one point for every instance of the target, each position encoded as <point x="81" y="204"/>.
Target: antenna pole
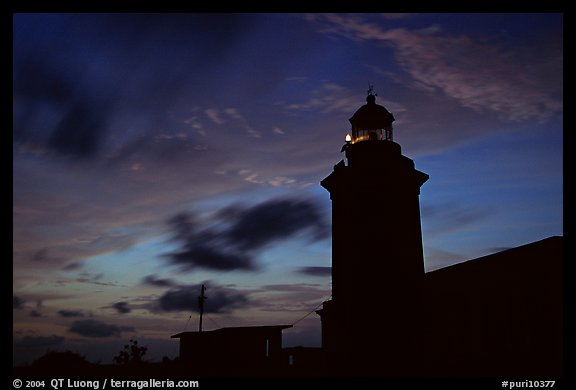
<point x="201" y="300"/>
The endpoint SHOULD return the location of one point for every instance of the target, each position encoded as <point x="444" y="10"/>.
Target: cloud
<point x="484" y="76"/>
<point x="42" y="256"/>
<point x="17" y="302"/>
<point x="197" y="254"/>
<point x="301" y="297"/>
<point x="315" y="271"/>
<point x="276" y="220"/>
<point x="301" y="287"/>
<point x="73" y="266"/>
<point x="97" y="329"/>
<point x="185" y="298"/>
<point x="80" y="132"/>
<point x="37" y="312"/>
<point x="122" y="307"/>
<point x="329" y="98"/>
<point x="152" y="280"/>
<point x="61" y="110"/>
<point x="203" y="249"/>
<point x="232" y="114"/>
<point x="70" y="313"/>
<point x="40" y="341"/>
<point x="76" y="118"/>
<point x="247" y="230"/>
<point x="86" y="277"/>
<point x="214" y="116"/>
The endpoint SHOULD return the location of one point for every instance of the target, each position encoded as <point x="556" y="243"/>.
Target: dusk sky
<point x="156" y="152"/>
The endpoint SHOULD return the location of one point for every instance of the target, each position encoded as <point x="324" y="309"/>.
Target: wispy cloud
<point x="97" y="329"/>
<point x="330" y="97"/>
<point x="302" y="297"/>
<point x="154" y="281"/>
<point x="70" y="313"/>
<point x="231" y="114"/>
<point x="315" y="271"/>
<point x="214" y="116"/>
<point x="515" y="83"/>
<point x="122" y="307"/>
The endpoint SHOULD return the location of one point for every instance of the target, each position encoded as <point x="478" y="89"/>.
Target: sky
<point x="153" y="153"/>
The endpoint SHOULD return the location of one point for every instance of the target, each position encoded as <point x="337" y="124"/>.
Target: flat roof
<point x="235" y="329"/>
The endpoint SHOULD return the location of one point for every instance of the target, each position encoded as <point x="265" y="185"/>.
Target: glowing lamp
<point x="348" y="138"/>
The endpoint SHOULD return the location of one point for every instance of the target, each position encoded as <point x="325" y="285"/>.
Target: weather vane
<point x="371" y="90"/>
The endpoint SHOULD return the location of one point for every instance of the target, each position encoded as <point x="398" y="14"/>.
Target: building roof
<point x="523" y="255"/>
<point x="533" y="267"/>
<point x="371" y="116"/>
<point x="237" y="330"/>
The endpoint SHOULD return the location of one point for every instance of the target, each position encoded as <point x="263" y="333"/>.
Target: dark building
<point x="377" y="257"/>
<point x="498" y="315"/>
<point x="501" y="314"/>
<point x="247" y="350"/>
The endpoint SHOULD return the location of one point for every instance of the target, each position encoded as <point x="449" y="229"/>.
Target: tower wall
<point x="377" y="256"/>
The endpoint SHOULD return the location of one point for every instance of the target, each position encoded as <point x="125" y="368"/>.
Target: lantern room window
<point x="366" y="135"/>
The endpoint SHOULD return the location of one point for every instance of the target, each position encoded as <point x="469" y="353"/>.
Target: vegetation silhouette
<point x="132" y="353"/>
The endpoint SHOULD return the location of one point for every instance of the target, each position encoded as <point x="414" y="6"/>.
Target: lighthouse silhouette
<point x="501" y="314"/>
<point x="377" y="255"/>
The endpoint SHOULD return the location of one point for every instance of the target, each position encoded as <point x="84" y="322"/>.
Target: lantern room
<point x="371" y="122"/>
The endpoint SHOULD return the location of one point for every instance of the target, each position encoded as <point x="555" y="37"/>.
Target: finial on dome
<point x="371" y="98"/>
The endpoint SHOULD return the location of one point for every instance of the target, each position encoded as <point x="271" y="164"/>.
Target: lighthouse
<point x="371" y="323"/>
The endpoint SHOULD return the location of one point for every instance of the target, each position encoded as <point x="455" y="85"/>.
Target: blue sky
<point x="156" y="152"/>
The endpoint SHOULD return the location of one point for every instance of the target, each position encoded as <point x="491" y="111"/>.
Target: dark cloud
<point x="315" y="271"/>
<point x="67" y="101"/>
<point x="17" y="302"/>
<point x="86" y="277"/>
<point x="292" y="287"/>
<point x="43" y="256"/>
<point x="152" y="280"/>
<point x="72" y="120"/>
<point x="122" y="307"/>
<point x="246" y="231"/>
<point x="70" y="313"/>
<point x="40" y="255"/>
<point x="40" y="341"/>
<point x="204" y="249"/>
<point x="35" y="313"/>
<point x="80" y="131"/>
<point x="73" y="266"/>
<point x="276" y="220"/>
<point x="97" y="329"/>
<point x="185" y="298"/>
<point x="211" y="257"/>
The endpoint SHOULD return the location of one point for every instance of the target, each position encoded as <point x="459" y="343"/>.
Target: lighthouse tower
<point x="371" y="324"/>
